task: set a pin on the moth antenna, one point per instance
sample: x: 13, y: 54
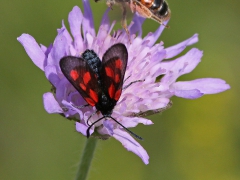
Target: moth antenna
x: 127, y: 78
x: 80, y: 107
x: 88, y: 133
x: 125, y: 87
x: 130, y: 132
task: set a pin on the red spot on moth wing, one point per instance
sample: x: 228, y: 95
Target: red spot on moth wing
x: 90, y: 101
x: 86, y: 78
x: 93, y: 95
x: 117, y: 78
x: 83, y: 86
x: 111, y: 91
x: 74, y: 74
x: 118, y: 64
x: 118, y: 94
x: 109, y: 72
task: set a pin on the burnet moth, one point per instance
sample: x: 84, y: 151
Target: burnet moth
x: 100, y: 83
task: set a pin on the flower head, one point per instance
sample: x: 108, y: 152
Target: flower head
x: 146, y: 61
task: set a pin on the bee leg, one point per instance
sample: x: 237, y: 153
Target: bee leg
x: 132, y: 6
x: 110, y: 3
x: 124, y: 19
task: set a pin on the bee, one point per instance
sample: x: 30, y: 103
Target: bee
x: 158, y: 10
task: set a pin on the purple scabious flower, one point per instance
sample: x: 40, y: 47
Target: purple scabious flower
x: 146, y: 61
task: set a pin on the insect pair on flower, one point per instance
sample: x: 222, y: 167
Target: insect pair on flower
x: 100, y: 83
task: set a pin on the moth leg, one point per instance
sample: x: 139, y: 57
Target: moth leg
x: 65, y: 109
x: 80, y: 107
x: 91, y: 117
x: 88, y: 130
x: 125, y: 87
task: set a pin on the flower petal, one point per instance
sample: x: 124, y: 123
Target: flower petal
x: 134, y: 121
x: 131, y: 144
x: 153, y: 37
x: 105, y: 20
x: 137, y: 25
x: 71, y: 110
x: 65, y: 33
x: 58, y: 50
x: 61, y: 89
x: 182, y: 65
x: 51, y: 74
x: 188, y: 94
x: 204, y: 85
x: 75, y: 19
x: 178, y: 48
x: 50, y: 104
x: 88, y: 25
x: 104, y: 28
x: 82, y: 128
x: 33, y: 50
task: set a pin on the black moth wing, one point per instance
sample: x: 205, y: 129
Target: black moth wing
x: 82, y: 77
x: 114, y: 64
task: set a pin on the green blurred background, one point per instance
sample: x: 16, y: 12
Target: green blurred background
x: 194, y: 140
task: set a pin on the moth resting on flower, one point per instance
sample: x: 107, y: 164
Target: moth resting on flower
x: 99, y: 82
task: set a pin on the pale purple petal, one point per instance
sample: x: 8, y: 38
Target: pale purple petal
x: 82, y: 128
x: 71, y: 110
x: 33, y: 50
x: 59, y: 49
x: 109, y: 126
x: 90, y: 40
x: 104, y: 28
x: 137, y: 24
x: 88, y: 19
x: 50, y: 104
x: 75, y: 19
x: 43, y: 48
x: 134, y: 121
x: 131, y: 144
x: 79, y: 45
x: 156, y: 103
x: 52, y: 75
x: 205, y: 85
x: 105, y: 23
x: 178, y: 48
x: 182, y: 65
x: 153, y: 37
x: 188, y: 94
x: 61, y: 89
x: 47, y: 51
x: 65, y: 33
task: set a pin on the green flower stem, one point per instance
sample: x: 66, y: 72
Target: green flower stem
x: 86, y: 159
